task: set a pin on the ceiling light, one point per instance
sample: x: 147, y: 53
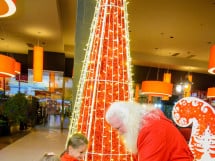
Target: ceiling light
x: 190, y: 56
x: 184, y: 87
x: 211, y: 92
x: 7, y: 66
x: 51, y: 81
x: 166, y: 78
x: 38, y: 64
x: 175, y: 54
x: 157, y: 88
x: 211, y: 63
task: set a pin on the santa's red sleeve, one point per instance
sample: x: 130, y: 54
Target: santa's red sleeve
x: 162, y: 141
x: 151, y: 144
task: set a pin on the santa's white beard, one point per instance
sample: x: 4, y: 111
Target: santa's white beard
x: 136, y: 122
x: 130, y: 138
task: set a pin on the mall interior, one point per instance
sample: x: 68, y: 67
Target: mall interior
x: 161, y: 49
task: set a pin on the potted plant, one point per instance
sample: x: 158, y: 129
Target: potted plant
x: 16, y: 110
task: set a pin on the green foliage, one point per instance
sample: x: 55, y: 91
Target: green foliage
x: 16, y: 108
x: 2, y: 121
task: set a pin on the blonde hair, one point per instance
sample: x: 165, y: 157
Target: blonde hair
x: 76, y: 140
x: 50, y: 157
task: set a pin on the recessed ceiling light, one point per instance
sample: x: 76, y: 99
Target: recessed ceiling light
x: 43, y: 43
x: 30, y: 45
x: 175, y: 54
x: 190, y: 56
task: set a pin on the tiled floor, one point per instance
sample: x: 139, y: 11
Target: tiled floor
x: 9, y: 139
x: 33, y: 145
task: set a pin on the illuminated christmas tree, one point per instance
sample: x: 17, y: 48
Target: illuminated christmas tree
x: 105, y: 78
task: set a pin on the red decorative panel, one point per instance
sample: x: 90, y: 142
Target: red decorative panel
x: 201, y: 115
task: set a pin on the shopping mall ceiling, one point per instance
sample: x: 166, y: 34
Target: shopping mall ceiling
x: 172, y: 34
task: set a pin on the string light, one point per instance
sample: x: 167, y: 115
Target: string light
x: 105, y: 78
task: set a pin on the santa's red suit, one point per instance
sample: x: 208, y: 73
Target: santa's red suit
x: 160, y: 140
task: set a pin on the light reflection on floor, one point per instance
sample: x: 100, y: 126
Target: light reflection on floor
x: 55, y: 121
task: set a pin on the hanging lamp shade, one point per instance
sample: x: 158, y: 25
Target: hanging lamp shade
x: 211, y: 92
x: 8, y: 7
x: 187, y: 86
x: 17, y: 67
x: 7, y: 66
x: 137, y: 92
x: 157, y: 88
x: 190, y: 77
x: 38, y: 64
x: 166, y: 78
x: 211, y: 63
x: 51, y: 81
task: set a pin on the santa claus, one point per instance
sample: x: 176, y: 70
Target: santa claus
x: 148, y: 133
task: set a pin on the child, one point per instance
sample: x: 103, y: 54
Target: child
x: 50, y: 157
x: 76, y: 148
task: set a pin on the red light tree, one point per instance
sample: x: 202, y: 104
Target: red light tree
x: 105, y: 78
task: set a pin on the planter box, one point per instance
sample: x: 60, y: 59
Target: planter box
x: 14, y: 129
x: 4, y: 129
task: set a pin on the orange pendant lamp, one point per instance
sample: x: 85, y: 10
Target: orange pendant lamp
x: 137, y: 92
x: 166, y: 78
x: 211, y: 92
x: 211, y: 64
x: 188, y: 85
x: 8, y: 8
x: 157, y: 88
x: 38, y: 64
x: 7, y: 66
x: 51, y: 81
